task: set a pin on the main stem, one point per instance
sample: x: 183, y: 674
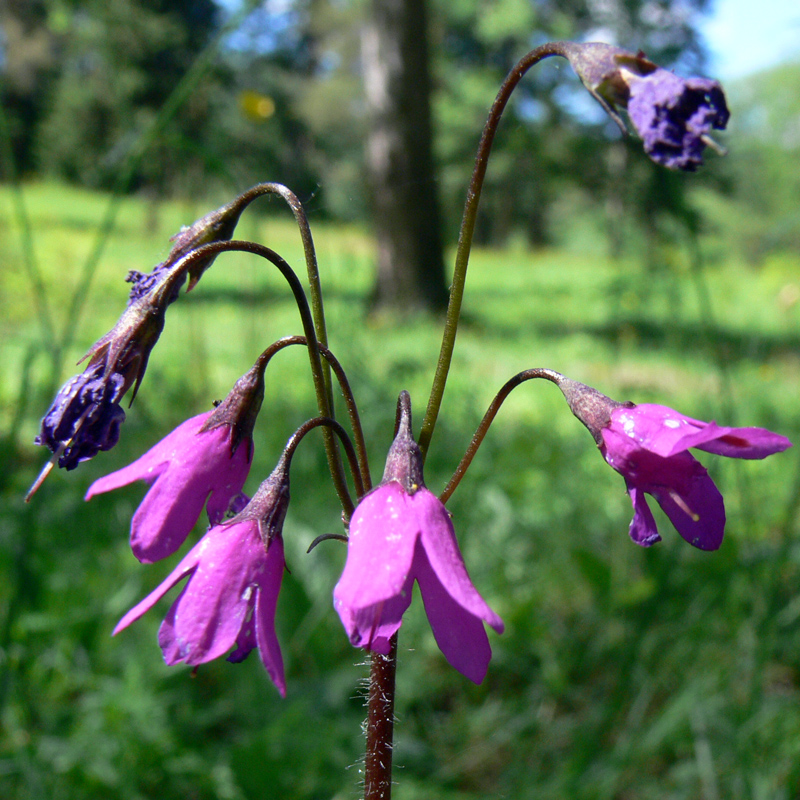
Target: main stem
x: 467, y: 231
x: 380, y: 725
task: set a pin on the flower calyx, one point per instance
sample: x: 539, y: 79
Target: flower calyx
x: 240, y: 408
x: 404, y: 461
x: 269, y: 504
x: 591, y: 407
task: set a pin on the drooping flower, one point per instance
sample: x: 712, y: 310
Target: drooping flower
x: 86, y: 415
x: 204, y: 461
x: 216, y: 226
x: 674, y: 116
x: 648, y: 445
x: 230, y: 599
x: 400, y: 532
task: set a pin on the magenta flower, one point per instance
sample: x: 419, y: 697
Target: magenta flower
x: 189, y: 466
x: 230, y: 599
x: 205, y: 460
x: 400, y: 532
x: 648, y: 444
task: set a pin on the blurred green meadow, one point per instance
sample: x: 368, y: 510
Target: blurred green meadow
x: 623, y: 673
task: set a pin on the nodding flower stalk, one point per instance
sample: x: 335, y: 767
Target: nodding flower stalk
x: 672, y: 115
x: 467, y: 232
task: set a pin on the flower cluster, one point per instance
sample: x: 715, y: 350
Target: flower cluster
x: 398, y: 533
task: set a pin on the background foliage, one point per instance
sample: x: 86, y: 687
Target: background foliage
x: 624, y: 673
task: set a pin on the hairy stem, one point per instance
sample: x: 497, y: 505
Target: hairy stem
x: 380, y: 725
x: 467, y: 231
x: 488, y: 418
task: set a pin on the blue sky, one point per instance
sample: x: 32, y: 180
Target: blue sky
x: 745, y: 36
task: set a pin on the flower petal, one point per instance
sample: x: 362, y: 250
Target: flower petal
x: 187, y: 564
x: 745, y: 443
x: 269, y: 583
x: 459, y: 633
x: 441, y: 548
x: 215, y: 604
x: 150, y: 465
x: 167, y: 514
x: 643, y: 528
x: 696, y: 508
x: 373, y: 626
x: 380, y: 549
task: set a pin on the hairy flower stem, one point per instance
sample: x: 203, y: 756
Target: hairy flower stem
x: 467, y: 231
x: 328, y: 424
x: 380, y: 725
x: 314, y: 285
x: 347, y: 393
x: 323, y: 401
x: 488, y: 418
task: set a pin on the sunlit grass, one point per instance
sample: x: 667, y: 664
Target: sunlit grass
x: 619, y: 665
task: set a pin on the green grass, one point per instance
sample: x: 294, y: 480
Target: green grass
x: 624, y: 673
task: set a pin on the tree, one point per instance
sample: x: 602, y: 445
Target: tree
x: 406, y: 215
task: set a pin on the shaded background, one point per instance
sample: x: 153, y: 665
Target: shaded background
x: 624, y: 673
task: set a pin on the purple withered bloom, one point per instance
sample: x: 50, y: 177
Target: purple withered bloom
x: 400, y: 532
x: 229, y: 601
x: 648, y: 445
x: 85, y: 416
x: 206, y: 458
x: 673, y: 115
x: 216, y: 226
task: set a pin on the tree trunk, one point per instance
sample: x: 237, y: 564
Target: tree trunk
x: 406, y: 213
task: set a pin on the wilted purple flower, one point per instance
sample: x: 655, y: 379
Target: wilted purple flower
x: 674, y: 116
x: 400, y: 532
x: 85, y: 416
x: 230, y: 599
x: 648, y: 445
x: 200, y: 460
x: 216, y: 226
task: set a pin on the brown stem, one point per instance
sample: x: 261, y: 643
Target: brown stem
x: 467, y: 230
x: 380, y: 725
x: 488, y: 417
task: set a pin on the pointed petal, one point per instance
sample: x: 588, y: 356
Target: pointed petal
x: 460, y: 634
x: 643, y: 528
x: 266, y: 604
x: 695, y: 508
x: 187, y: 564
x: 441, y: 548
x: 380, y: 549
x: 150, y: 465
x: 745, y: 443
x: 215, y: 604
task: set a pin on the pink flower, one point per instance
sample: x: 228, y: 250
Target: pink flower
x: 189, y: 466
x: 647, y: 444
x: 205, y: 460
x: 400, y: 532
x: 230, y: 599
